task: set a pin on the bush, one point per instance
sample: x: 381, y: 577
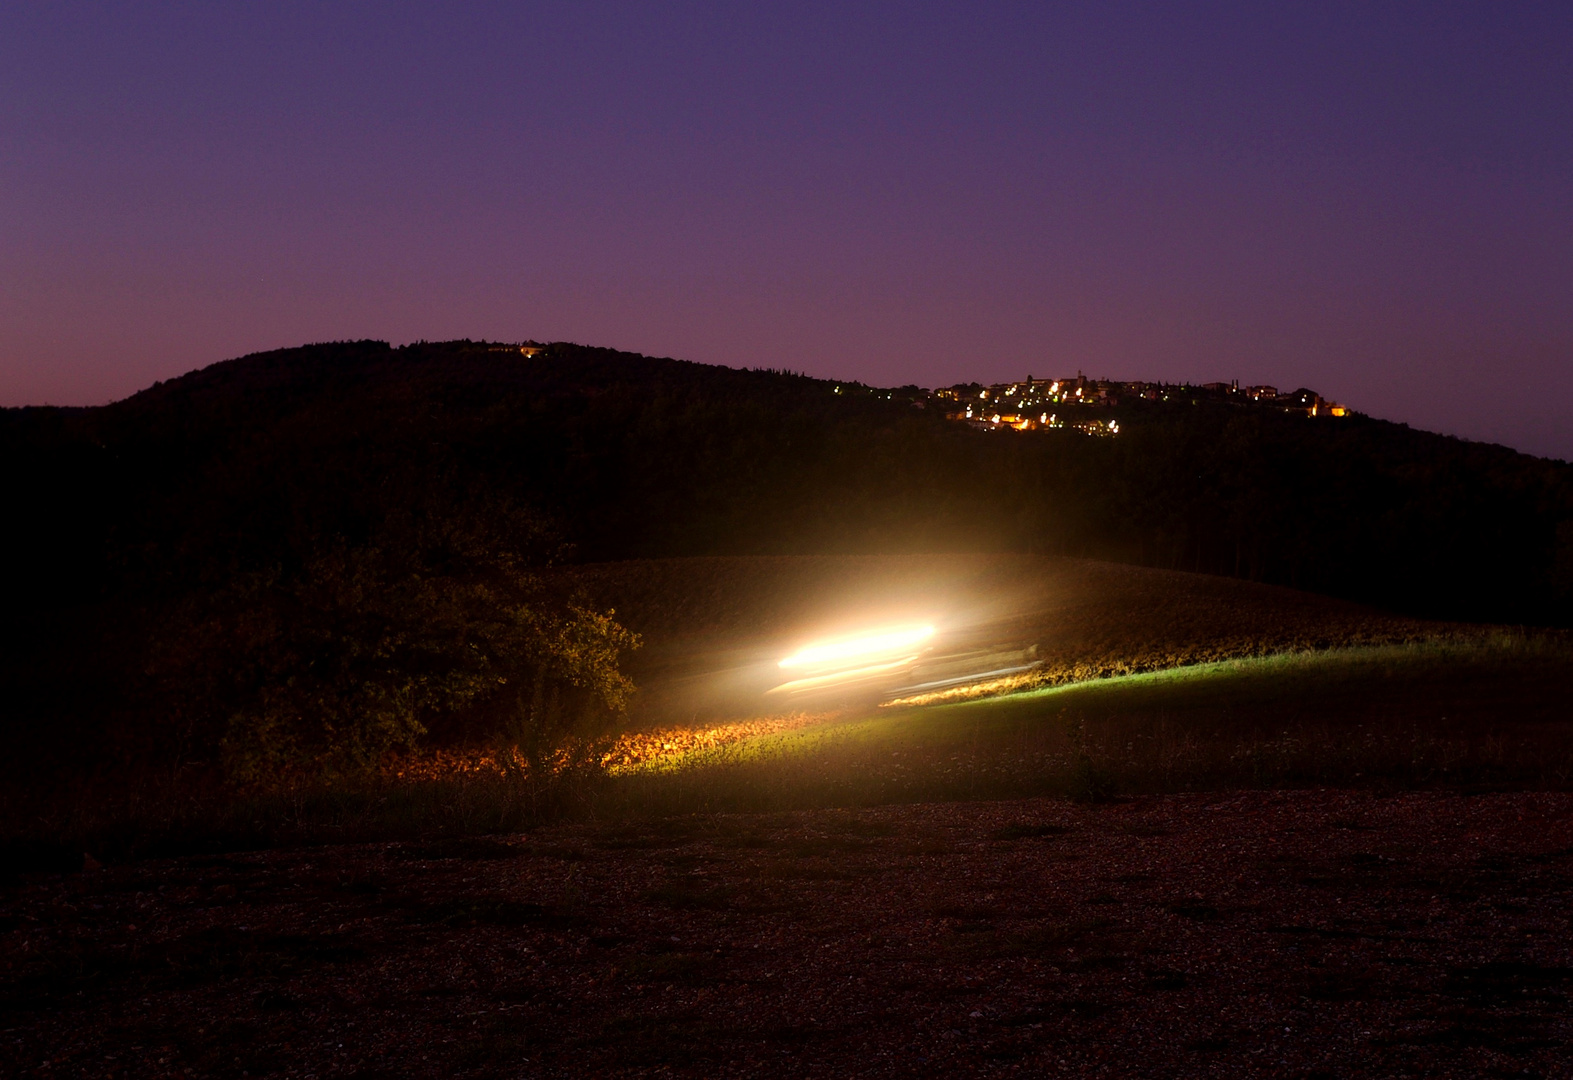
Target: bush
x: 350, y: 658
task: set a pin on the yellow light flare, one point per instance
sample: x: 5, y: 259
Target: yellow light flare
x: 866, y: 647
x: 842, y: 677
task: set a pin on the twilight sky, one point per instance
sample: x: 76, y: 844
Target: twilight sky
x: 1373, y: 200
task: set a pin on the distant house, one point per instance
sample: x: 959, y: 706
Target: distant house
x: 1302, y: 400
x: 986, y: 406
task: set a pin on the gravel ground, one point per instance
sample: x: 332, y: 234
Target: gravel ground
x: 1317, y: 933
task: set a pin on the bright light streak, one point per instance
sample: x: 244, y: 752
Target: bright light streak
x: 874, y: 646
x: 842, y: 677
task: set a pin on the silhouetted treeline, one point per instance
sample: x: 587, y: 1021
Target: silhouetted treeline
x: 125, y: 520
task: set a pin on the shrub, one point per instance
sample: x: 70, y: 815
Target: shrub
x: 351, y: 657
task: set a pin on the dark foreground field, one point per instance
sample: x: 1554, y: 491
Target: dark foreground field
x: 1288, y: 836
x: 1292, y: 933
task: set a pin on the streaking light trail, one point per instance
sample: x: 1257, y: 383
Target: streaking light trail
x: 871, y: 647
x: 864, y: 659
x: 843, y: 675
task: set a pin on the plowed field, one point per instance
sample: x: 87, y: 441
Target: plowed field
x: 1312, y: 933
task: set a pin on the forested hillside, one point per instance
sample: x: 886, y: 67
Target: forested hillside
x: 246, y: 464
x: 144, y: 537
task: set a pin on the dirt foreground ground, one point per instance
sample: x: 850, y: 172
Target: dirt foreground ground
x: 1320, y: 933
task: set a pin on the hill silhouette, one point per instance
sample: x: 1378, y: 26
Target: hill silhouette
x: 232, y: 467
x: 128, y: 520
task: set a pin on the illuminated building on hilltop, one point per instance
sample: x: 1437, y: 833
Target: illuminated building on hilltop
x: 1035, y: 404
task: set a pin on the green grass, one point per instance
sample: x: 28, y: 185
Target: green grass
x: 1490, y: 712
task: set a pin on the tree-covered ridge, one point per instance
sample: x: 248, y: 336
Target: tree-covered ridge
x: 311, y: 498
x: 242, y: 464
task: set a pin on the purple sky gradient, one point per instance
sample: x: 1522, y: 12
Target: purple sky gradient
x: 1375, y: 201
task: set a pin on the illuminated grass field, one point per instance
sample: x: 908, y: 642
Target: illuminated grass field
x: 1493, y: 711
x: 1150, y: 681
x: 702, y: 618
x: 1146, y: 681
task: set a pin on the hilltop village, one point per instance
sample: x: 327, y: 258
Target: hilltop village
x: 1076, y: 404
x: 1065, y: 403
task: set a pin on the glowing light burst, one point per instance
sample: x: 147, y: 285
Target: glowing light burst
x: 862, y: 658
x: 883, y: 644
